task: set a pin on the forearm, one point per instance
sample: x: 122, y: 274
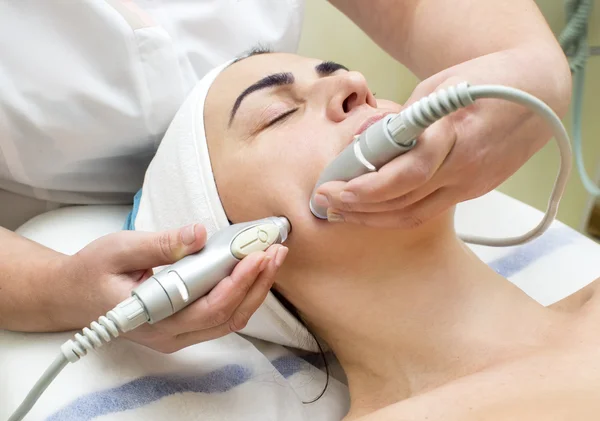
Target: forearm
x: 432, y: 37
x: 28, y: 272
x: 428, y: 36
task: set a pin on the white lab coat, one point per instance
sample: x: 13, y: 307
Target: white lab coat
x: 88, y: 87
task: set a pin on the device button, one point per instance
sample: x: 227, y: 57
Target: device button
x: 257, y: 238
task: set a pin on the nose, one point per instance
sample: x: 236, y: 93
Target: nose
x: 345, y: 92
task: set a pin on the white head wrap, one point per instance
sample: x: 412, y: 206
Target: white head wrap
x: 179, y: 189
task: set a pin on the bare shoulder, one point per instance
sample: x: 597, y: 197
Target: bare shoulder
x: 561, y: 384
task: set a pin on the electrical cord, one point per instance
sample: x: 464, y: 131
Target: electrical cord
x: 34, y: 394
x: 412, y: 121
x: 564, y: 169
x: 126, y: 316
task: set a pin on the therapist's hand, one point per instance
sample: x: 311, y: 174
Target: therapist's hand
x: 499, y: 42
x: 460, y: 157
x: 103, y: 274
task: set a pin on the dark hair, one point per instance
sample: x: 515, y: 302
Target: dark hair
x: 290, y: 307
x: 254, y: 51
x: 294, y: 312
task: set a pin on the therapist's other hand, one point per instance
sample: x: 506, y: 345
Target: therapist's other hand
x: 103, y: 274
x: 413, y: 187
x: 460, y: 157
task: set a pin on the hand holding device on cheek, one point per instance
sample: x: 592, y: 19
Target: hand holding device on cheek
x: 397, y: 134
x: 167, y: 292
x: 192, y: 277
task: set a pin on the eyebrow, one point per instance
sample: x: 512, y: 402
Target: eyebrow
x: 323, y: 69
x: 328, y: 67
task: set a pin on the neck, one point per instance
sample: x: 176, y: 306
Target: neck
x: 405, y: 319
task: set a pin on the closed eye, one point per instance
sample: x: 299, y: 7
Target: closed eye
x: 281, y: 117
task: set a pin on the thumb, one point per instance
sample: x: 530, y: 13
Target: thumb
x: 139, y: 250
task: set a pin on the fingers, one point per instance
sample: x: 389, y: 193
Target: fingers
x: 396, y: 203
x: 184, y: 340
x: 258, y: 293
x: 218, y: 307
x: 219, y: 304
x: 137, y: 250
x: 400, y: 183
x: 405, y: 173
x: 409, y: 217
x: 394, y: 185
x: 240, y: 317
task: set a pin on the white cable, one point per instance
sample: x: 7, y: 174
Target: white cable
x: 413, y: 120
x: 34, y: 394
x: 126, y: 316
x: 564, y: 146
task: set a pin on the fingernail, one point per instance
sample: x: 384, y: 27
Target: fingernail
x: 348, y: 197
x: 265, y: 261
x: 280, y: 256
x: 334, y: 216
x: 322, y: 200
x: 188, y: 234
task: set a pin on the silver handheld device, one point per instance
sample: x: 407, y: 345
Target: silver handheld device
x: 369, y: 151
x: 397, y: 133
x: 170, y: 290
x: 192, y: 277
x: 390, y: 137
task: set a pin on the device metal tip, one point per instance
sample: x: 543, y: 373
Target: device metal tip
x: 286, y: 223
x: 285, y: 227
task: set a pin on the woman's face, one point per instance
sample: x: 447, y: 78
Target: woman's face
x: 273, y: 122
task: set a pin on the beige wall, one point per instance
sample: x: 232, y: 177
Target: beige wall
x: 331, y: 36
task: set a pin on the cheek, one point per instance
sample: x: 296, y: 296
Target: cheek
x: 275, y: 173
x: 308, y: 149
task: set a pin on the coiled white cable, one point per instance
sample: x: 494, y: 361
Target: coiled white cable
x: 34, y: 394
x: 433, y: 107
x: 90, y: 338
x: 126, y: 316
x: 564, y: 168
x: 71, y: 351
x: 417, y: 117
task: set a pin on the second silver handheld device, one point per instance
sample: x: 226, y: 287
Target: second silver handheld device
x: 369, y: 151
x: 397, y: 134
x: 390, y: 137
x: 182, y: 283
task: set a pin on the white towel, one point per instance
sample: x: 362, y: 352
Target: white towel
x: 180, y: 177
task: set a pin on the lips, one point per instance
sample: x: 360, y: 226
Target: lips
x: 370, y: 121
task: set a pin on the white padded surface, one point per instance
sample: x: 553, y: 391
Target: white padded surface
x: 69, y: 229
x: 548, y: 269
